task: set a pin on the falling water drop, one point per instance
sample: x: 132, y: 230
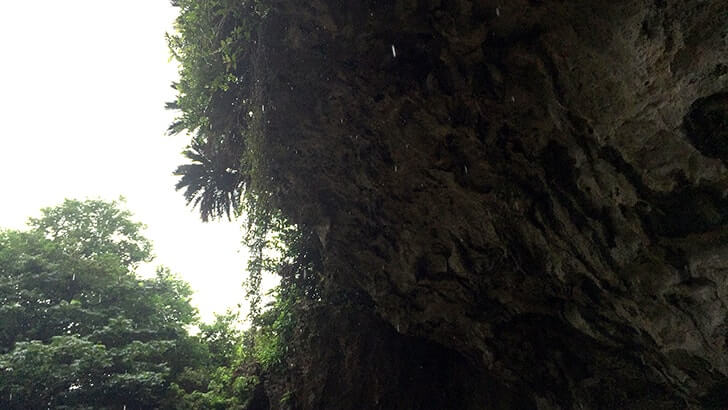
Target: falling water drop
x: 394, y: 52
x: 74, y: 276
x: 497, y: 11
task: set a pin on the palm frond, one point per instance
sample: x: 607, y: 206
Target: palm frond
x: 211, y: 181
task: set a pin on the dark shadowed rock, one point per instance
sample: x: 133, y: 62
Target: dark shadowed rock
x: 531, y: 192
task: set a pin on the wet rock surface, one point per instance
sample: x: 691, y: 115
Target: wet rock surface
x: 535, y: 187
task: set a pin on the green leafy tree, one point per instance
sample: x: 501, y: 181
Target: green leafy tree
x: 78, y: 328
x: 93, y: 228
x: 227, y: 386
x: 37, y: 375
x: 222, y: 337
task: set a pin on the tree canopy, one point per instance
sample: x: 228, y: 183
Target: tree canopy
x: 79, y: 328
x: 93, y: 228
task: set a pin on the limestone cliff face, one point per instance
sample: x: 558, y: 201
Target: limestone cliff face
x: 536, y: 187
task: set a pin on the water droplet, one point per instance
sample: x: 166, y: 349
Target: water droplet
x: 250, y: 114
x: 74, y: 276
x: 394, y: 52
x: 497, y: 11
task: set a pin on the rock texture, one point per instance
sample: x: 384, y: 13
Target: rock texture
x: 347, y: 358
x: 535, y: 189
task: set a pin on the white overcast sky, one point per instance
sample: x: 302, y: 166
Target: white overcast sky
x: 82, y: 90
